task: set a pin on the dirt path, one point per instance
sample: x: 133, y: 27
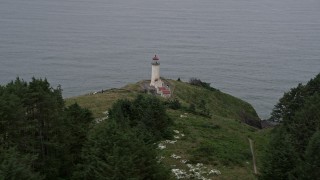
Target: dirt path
x: 253, y: 157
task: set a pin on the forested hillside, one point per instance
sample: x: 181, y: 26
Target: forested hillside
x: 294, y: 150
x: 198, y: 133
x: 210, y: 134
x: 40, y: 138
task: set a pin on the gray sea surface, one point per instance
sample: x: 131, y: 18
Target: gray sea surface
x: 253, y: 49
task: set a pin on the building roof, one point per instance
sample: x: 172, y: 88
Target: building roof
x: 166, y: 92
x: 155, y: 57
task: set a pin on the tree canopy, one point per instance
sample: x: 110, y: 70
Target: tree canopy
x: 41, y: 138
x: 294, y: 100
x: 37, y: 128
x: 293, y: 145
x: 123, y: 146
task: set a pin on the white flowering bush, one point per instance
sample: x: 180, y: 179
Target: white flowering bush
x: 214, y: 171
x: 161, y: 146
x: 184, y: 161
x: 197, y: 171
x: 180, y: 173
x: 169, y: 141
x: 175, y: 156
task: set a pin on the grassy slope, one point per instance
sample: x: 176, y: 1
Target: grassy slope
x: 220, y: 103
x: 219, y: 142
x: 101, y: 102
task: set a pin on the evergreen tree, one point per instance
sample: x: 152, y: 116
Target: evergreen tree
x: 304, y: 124
x: 123, y: 147
x: 151, y: 112
x: 122, y: 111
x: 290, y: 150
x: 73, y: 134
x: 44, y: 109
x: 119, y: 152
x: 146, y: 112
x: 311, y: 164
x: 293, y: 100
x: 16, y: 166
x: 40, y: 138
x: 12, y: 119
x: 280, y: 158
x: 34, y: 121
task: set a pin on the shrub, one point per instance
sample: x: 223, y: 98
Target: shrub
x: 192, y: 108
x: 173, y: 104
x: 198, y: 82
x: 145, y: 111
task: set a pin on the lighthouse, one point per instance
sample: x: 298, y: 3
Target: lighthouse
x: 160, y: 87
x: 155, y: 73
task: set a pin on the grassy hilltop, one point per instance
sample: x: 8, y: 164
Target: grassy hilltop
x: 217, y: 138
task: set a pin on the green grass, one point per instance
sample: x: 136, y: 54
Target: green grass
x: 101, y: 102
x: 219, y: 103
x: 219, y: 141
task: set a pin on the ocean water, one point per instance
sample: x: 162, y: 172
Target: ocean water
x: 253, y: 49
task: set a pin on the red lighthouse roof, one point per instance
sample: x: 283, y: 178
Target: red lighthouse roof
x: 155, y: 58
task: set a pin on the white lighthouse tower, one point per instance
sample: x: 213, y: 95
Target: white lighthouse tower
x: 160, y: 87
x: 155, y: 73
